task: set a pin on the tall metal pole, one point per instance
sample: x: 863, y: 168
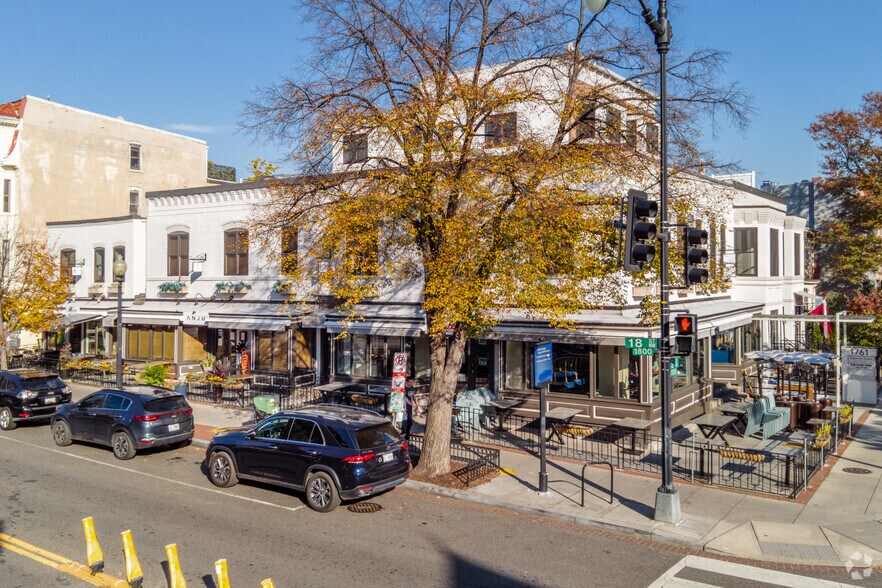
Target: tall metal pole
x: 667, y: 500
x: 119, y: 331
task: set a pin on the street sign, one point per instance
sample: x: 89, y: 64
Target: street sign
x: 641, y: 343
x: 543, y: 372
x: 642, y: 351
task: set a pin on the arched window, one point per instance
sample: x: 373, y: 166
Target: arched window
x: 178, y: 253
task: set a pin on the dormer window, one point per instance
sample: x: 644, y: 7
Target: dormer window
x: 355, y: 148
x: 613, y: 125
x: 501, y: 129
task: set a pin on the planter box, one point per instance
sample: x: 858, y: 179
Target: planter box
x: 183, y: 291
x: 229, y: 292
x: 96, y: 289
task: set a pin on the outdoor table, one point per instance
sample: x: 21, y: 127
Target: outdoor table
x: 737, y: 410
x: 633, y: 425
x: 713, y: 425
x: 560, y: 417
x: 503, y: 409
x: 333, y: 390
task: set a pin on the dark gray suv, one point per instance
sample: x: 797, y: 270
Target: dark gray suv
x: 27, y: 394
x: 126, y: 421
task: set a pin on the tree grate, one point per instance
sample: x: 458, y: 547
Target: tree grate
x: 364, y: 507
x: 856, y: 471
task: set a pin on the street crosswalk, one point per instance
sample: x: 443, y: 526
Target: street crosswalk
x: 722, y: 574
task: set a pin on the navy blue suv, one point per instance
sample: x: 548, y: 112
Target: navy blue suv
x: 331, y: 452
x: 27, y: 394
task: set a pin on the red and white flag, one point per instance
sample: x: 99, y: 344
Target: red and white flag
x: 821, y: 310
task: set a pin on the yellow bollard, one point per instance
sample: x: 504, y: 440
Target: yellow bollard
x: 220, y: 572
x: 268, y: 583
x: 176, y: 577
x: 133, y: 568
x: 94, y: 555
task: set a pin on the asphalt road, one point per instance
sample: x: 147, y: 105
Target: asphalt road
x: 164, y: 497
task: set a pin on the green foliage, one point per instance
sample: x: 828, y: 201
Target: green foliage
x: 172, y: 287
x: 154, y: 375
x: 231, y: 287
x: 221, y: 172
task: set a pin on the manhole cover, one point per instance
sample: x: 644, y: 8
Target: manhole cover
x: 364, y: 507
x: 856, y: 471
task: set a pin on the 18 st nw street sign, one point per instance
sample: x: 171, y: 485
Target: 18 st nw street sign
x: 641, y: 345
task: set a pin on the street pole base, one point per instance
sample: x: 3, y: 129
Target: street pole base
x: 667, y: 507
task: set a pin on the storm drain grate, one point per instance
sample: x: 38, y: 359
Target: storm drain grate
x: 364, y: 507
x: 798, y: 551
x: 856, y: 471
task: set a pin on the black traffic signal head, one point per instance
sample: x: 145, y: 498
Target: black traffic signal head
x: 686, y: 324
x: 640, y: 231
x: 694, y: 254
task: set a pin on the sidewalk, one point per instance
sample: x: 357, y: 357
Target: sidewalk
x: 833, y: 524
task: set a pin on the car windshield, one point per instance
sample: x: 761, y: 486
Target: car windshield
x: 377, y: 436
x: 165, y: 404
x: 43, y: 384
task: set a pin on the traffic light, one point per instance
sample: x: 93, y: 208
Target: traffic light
x: 639, y: 249
x: 694, y: 254
x: 686, y: 339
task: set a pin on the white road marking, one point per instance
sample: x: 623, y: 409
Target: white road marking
x: 155, y: 477
x: 741, y: 572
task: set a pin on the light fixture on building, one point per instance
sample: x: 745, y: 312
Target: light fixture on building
x: 196, y: 266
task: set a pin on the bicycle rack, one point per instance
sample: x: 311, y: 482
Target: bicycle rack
x: 611, y: 479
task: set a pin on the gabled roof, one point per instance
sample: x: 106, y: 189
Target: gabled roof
x: 14, y: 109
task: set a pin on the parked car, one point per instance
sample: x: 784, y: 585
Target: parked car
x: 125, y: 420
x: 331, y: 452
x: 29, y: 394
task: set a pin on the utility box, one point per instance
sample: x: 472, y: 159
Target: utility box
x: 859, y: 374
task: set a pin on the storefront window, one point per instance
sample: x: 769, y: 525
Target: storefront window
x: 151, y: 343
x: 272, y: 350
x: 514, y: 366
x: 698, y: 365
x: 94, y: 343
x: 303, y: 347
x: 383, y: 350
x: 751, y: 337
x: 570, y: 363
x: 723, y: 344
x: 422, y: 364
x: 193, y: 348
x: 681, y: 371
x: 618, y: 374
x: 351, y: 355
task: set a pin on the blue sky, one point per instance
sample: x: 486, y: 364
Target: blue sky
x: 188, y: 66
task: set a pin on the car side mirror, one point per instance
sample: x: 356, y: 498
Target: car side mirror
x: 250, y: 435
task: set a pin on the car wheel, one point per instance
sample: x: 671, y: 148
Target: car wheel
x: 221, y: 470
x: 61, y: 433
x: 321, y: 493
x: 123, y: 446
x: 6, y: 422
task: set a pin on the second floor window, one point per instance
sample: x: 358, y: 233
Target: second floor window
x: 178, y: 254
x: 745, y: 252
x: 99, y: 265
x: 501, y: 129
x: 631, y: 132
x: 652, y: 144
x: 236, y: 253
x: 797, y: 255
x: 134, y: 157
x: 613, y: 125
x: 7, y: 195
x: 289, y: 250
x: 774, y: 269
x: 134, y: 202
x: 355, y: 148
x: 68, y: 259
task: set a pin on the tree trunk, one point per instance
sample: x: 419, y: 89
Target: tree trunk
x: 3, y: 356
x: 446, y: 359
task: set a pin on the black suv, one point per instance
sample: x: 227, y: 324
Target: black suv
x: 331, y: 452
x: 27, y: 394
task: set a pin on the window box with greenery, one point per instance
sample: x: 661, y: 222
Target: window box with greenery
x: 281, y: 287
x: 173, y: 288
x: 232, y: 288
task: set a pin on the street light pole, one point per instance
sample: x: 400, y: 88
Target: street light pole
x: 119, y: 276
x: 667, y: 500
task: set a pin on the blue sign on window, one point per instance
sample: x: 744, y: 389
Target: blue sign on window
x: 543, y: 371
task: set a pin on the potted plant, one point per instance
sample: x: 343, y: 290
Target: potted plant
x: 96, y: 289
x: 173, y: 287
x: 822, y: 438
x: 232, y: 288
x: 154, y: 375
x: 845, y: 414
x: 280, y: 287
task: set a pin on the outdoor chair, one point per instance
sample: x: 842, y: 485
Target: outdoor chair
x: 769, y: 399
x: 762, y: 421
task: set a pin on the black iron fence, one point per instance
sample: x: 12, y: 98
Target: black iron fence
x: 476, y: 461
x: 784, y: 471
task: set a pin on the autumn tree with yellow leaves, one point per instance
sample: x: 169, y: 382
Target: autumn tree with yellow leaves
x: 32, y: 289
x: 441, y: 185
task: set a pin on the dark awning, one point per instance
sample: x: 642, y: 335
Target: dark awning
x: 76, y: 318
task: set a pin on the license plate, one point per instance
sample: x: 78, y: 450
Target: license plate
x: 387, y: 457
x: 174, y: 427
x: 51, y: 399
